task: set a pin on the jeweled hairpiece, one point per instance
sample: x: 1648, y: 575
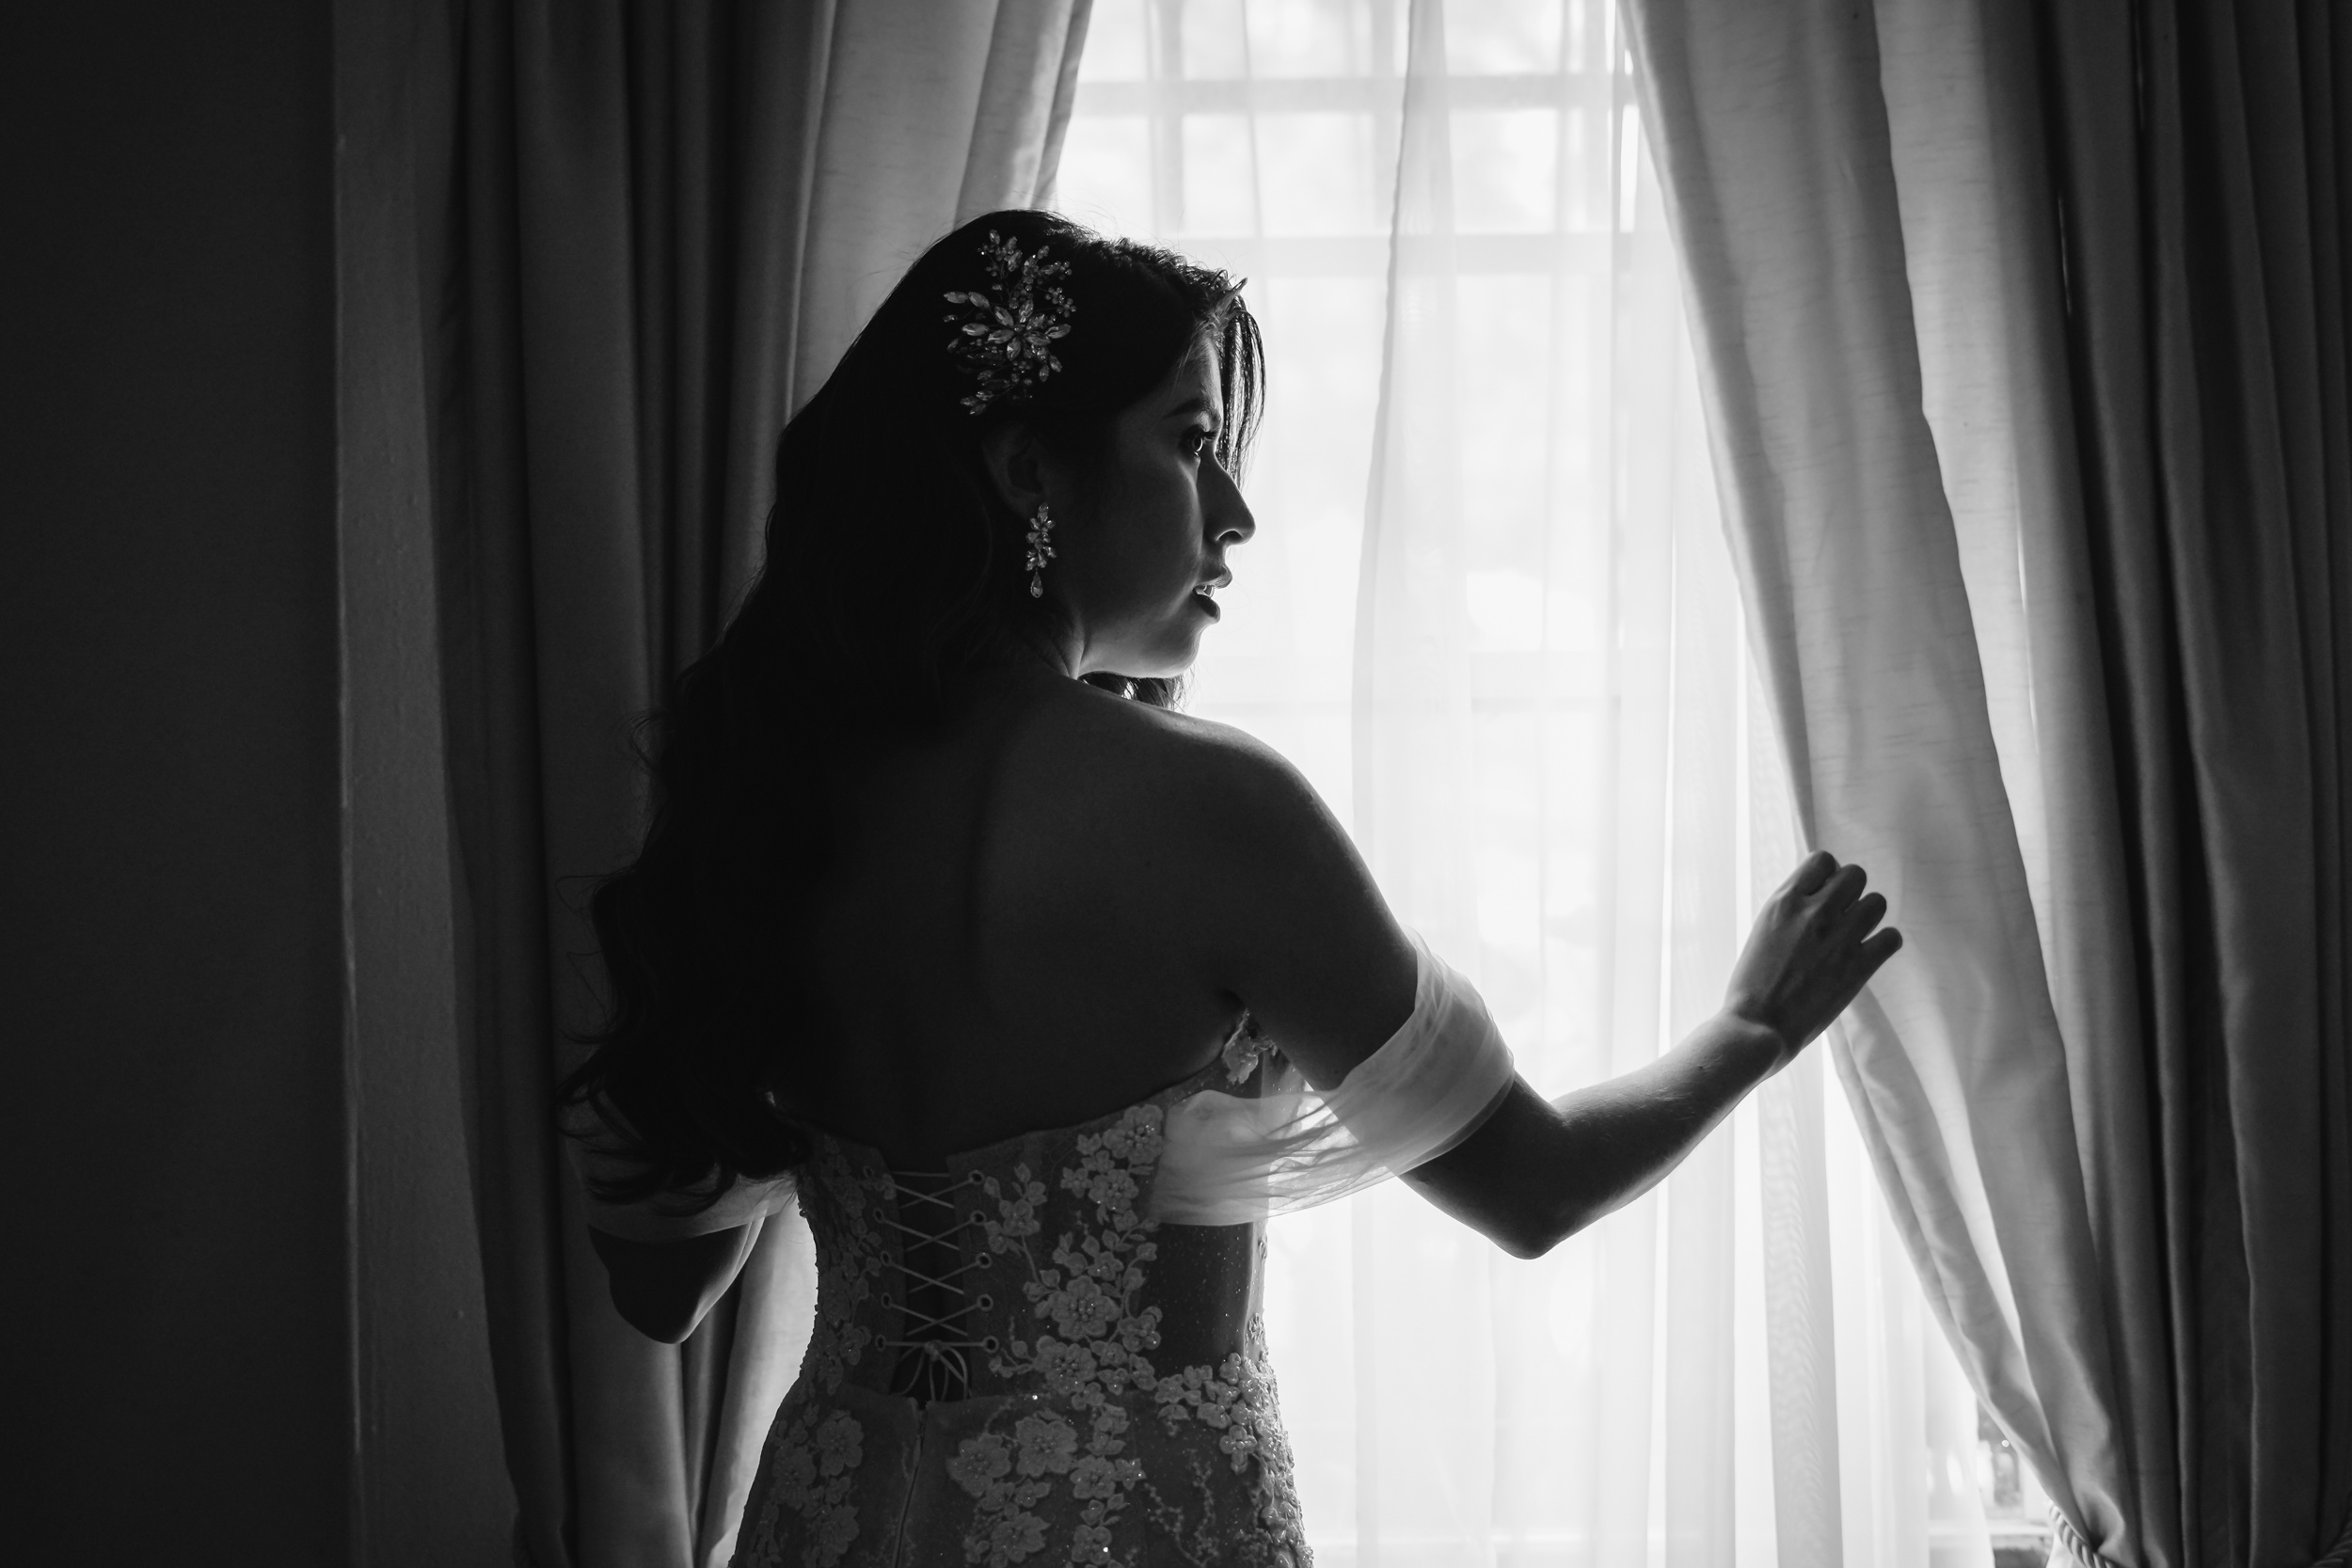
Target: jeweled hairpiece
x: 1009, y: 344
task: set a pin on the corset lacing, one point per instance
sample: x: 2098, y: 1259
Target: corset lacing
x: 934, y: 1304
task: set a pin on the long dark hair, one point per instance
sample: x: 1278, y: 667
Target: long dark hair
x: 892, y: 571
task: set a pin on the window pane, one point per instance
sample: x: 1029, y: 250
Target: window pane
x: 1501, y: 36
x: 1504, y: 169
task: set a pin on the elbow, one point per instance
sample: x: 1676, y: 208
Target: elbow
x: 658, y: 1317
x: 1529, y: 1245
x: 1526, y: 1248
x: 663, y: 1289
x: 1528, y: 1242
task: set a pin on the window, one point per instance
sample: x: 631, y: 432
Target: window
x: 1487, y: 357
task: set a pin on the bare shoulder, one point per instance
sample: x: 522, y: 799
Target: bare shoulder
x: 1076, y: 711
x: 1255, y: 879
x: 1169, y: 777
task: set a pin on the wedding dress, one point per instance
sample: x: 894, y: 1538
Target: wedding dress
x: 1115, y: 1402
x: 1050, y: 1351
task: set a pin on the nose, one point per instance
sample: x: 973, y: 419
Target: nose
x: 1229, y: 518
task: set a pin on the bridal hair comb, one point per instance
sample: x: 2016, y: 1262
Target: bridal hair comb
x: 1006, y: 336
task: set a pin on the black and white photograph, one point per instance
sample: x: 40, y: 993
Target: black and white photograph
x: 1178, y: 784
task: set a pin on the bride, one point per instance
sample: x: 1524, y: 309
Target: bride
x: 1038, y: 996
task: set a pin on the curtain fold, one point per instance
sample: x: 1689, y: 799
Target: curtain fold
x: 668, y: 221
x: 2025, y: 349
x: 2200, y: 156
x: 1773, y: 141
x: 1530, y: 700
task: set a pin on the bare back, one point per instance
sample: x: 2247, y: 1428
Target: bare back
x: 1003, y: 943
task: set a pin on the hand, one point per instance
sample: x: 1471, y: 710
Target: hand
x: 1815, y: 945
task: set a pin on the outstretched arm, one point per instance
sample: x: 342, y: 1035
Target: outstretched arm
x: 1312, y: 947
x: 1535, y: 1173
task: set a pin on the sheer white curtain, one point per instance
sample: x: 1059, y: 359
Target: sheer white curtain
x: 1490, y: 612
x: 1881, y: 304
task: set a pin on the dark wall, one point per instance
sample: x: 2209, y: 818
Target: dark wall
x: 169, y: 904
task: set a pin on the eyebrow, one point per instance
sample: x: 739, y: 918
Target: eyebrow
x: 1195, y: 405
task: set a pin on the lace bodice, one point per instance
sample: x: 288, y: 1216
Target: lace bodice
x: 1012, y: 1362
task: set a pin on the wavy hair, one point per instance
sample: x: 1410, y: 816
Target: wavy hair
x: 892, y: 570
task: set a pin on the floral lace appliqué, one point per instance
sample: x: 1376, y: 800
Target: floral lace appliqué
x: 815, y: 1452
x: 1091, y: 1354
x: 1243, y: 1049
x: 1088, y: 1443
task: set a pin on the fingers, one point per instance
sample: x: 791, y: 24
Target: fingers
x: 1848, y: 913
x: 1844, y: 886
x: 1836, y: 884
x: 1864, y: 914
x: 1811, y: 873
x: 1819, y: 873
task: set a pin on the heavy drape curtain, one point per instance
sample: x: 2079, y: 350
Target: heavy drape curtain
x: 669, y: 219
x: 2024, y: 344
x: 1490, y: 612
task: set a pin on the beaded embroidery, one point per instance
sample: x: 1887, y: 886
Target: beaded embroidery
x: 1243, y: 1049
x: 1008, y: 345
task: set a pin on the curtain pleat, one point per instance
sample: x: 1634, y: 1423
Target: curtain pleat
x: 1775, y: 147
x: 669, y: 220
x: 2202, y: 180
x: 503, y: 949
x: 2026, y: 350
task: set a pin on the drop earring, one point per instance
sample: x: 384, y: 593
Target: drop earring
x: 1041, y: 529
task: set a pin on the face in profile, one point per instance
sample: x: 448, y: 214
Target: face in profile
x: 1150, y: 527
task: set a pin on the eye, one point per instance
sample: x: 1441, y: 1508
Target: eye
x: 1197, y: 440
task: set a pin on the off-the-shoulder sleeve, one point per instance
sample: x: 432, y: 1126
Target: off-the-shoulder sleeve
x: 665, y: 1216
x: 1226, y: 1160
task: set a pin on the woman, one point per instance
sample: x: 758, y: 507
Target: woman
x: 1040, y: 995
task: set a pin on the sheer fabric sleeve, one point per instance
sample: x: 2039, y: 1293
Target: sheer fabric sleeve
x: 1227, y: 1161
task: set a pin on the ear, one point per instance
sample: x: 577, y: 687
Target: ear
x: 1016, y: 464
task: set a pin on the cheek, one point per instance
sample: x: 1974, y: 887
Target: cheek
x: 1176, y: 511
x: 1176, y: 550
x: 1151, y: 532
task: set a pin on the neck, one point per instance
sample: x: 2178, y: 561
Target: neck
x: 1031, y: 653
